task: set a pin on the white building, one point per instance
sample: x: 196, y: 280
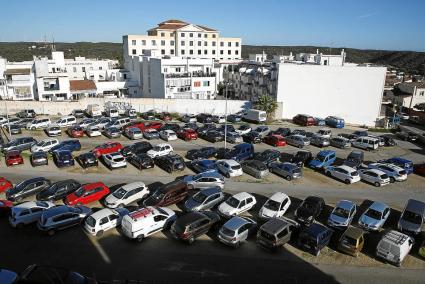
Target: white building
x: 409, y: 94
x: 17, y: 81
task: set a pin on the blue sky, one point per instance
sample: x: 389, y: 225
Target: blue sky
x: 374, y: 24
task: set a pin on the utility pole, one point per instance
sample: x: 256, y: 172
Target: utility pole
x: 225, y: 119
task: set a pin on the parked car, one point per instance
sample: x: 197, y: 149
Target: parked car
x: 78, y: 113
x: 276, y: 232
x: 187, y: 134
x: 107, y: 148
x: 255, y: 168
x: 39, y: 159
x: 149, y: 115
x: 191, y: 125
x: 27, y: 212
x: 14, y: 129
x: 394, y: 247
x: 344, y: 173
x: 20, y: 144
x: 229, y: 168
x: 275, y: 140
x: 141, y: 147
x: 355, y: 159
x: 309, y: 209
x: 388, y: 140
x: 267, y: 157
x: 252, y: 137
x: 126, y: 194
x: 405, y: 164
x: 412, y: 218
x: 275, y: 207
x: 85, y: 122
x: 323, y: 159
x: 374, y: 176
x: 240, y: 152
x: 204, y: 118
x: 170, y: 163
x: 87, y: 193
x: 340, y: 142
x: 375, y: 216
x: 282, y: 131
x: 71, y: 145
x: 297, y: 140
x: 133, y: 133
x: 150, y: 134
x: 244, y: 129
x: 193, y: 225
x: 393, y: 172
x: 219, y: 118
x: 314, y: 238
x: 213, y: 136
x: 26, y: 113
x: 75, y: 131
x: 200, y: 166
x: 66, y: 121
x: 159, y: 150
x: 205, y: 199
x: 27, y: 188
x: 320, y: 141
x: 234, y: 137
x: 13, y: 158
x: 304, y: 120
x: 234, y: 118
x: 53, y: 131
x: 366, y: 143
x: 114, y: 160
x: 112, y: 132
x: 407, y: 136
x: 350, y: 136
x: 301, y: 158
x: 352, y: 241
x: 204, y: 180
x: 87, y: 160
x: 205, y: 128
x: 63, y: 158
x: 168, y: 194
x: 289, y: 171
x: 141, y: 161
x: 237, y: 204
x: 45, y: 145
x: 93, y: 131
x: 188, y: 118
x: 319, y: 121
x: 5, y: 184
x: 342, y: 215
x: 58, y: 190
x: 147, y: 221
x: 5, y: 207
x: 236, y: 231
x: 169, y: 126
x: 62, y: 217
x: 103, y: 220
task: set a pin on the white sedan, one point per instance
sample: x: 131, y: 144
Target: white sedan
x: 276, y: 206
x: 133, y: 133
x: 114, y: 160
x: 159, y: 150
x: 344, y: 173
x: 44, y: 145
x: 93, y: 131
x: 168, y: 135
x: 237, y: 204
x: 374, y: 176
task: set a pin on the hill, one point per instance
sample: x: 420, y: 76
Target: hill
x: 407, y: 61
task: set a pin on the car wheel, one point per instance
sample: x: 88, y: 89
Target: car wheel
x: 237, y: 244
x: 347, y: 181
x: 227, y: 175
x: 191, y: 240
x: 377, y: 184
x: 288, y: 178
x: 51, y: 232
x: 328, y: 173
x: 392, y: 180
x: 99, y: 234
x: 140, y: 238
x: 317, y: 253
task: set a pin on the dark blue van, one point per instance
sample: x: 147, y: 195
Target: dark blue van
x: 240, y: 152
x: 405, y: 164
x: 334, y: 121
x: 314, y: 237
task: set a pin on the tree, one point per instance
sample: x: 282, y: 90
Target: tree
x: 420, y: 106
x: 267, y: 104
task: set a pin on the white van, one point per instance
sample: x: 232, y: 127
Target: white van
x: 93, y: 110
x: 38, y: 124
x: 120, y: 122
x: 66, y: 121
x: 366, y: 143
x: 394, y: 246
x: 255, y: 115
x: 112, y: 112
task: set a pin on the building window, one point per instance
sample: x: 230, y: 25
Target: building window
x: 133, y: 42
x: 171, y: 34
x: 162, y: 51
x: 178, y: 69
x: 172, y: 42
x: 229, y: 52
x: 182, y: 43
x: 182, y: 52
x: 199, y: 52
x: 205, y: 35
x: 134, y: 52
x: 199, y: 35
x: 83, y: 69
x: 191, y: 43
x: 153, y: 42
x: 162, y: 42
x: 191, y: 35
x: 237, y: 44
x: 74, y: 69
x: 197, y: 83
x: 229, y: 44
x: 182, y: 34
x: 191, y: 52
x: 221, y: 43
x: 162, y: 34
x: 206, y: 83
x: 213, y: 52
x: 213, y: 43
x: 213, y: 36
x: 421, y: 93
x: 205, y: 52
x: 199, y: 43
x: 172, y: 51
x: 143, y: 42
x: 205, y: 43
x: 100, y: 68
x: 221, y: 52
x: 237, y: 52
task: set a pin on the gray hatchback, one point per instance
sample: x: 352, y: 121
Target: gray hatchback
x: 204, y: 199
x: 237, y: 230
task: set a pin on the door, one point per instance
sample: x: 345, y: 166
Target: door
x: 243, y: 232
x: 159, y: 222
x: 104, y: 224
x: 283, y: 207
x: 28, y: 190
x: 242, y: 207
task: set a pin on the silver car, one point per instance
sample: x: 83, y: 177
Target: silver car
x: 255, y: 168
x: 297, y: 140
x: 234, y: 137
x: 236, y: 230
x: 28, y: 212
x: 204, y: 199
x: 204, y: 180
x: 342, y: 215
x: 340, y: 142
x: 112, y: 132
x: 319, y: 141
x: 287, y: 170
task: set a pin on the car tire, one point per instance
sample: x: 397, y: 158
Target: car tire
x: 328, y: 173
x: 227, y: 175
x: 191, y: 240
x: 377, y: 184
x: 288, y: 178
x: 140, y: 238
x: 51, y: 232
x: 99, y: 233
x: 347, y: 181
x: 392, y: 180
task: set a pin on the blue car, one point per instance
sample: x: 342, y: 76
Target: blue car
x: 405, y: 164
x: 334, y: 121
x: 71, y: 145
x: 323, y: 159
x: 240, y: 152
x: 201, y: 166
x: 319, y: 121
x: 63, y: 158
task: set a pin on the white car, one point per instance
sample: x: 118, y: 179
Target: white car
x: 237, y: 204
x: 52, y: 131
x: 28, y: 212
x: 126, y: 195
x: 146, y: 221
x: 374, y: 176
x: 102, y: 122
x: 395, y: 173
x: 159, y: 150
x: 219, y: 119
x: 325, y: 133
x: 344, y: 173
x: 167, y: 135
x: 86, y: 122
x: 189, y: 118
x: 263, y: 130
x: 103, y: 220
x: 114, y: 160
x: 38, y: 124
x: 93, y: 131
x: 44, y: 145
x: 229, y: 168
x: 276, y: 206
x: 244, y: 129
x: 133, y: 133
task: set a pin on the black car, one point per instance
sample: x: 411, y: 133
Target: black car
x: 234, y: 118
x: 302, y: 158
x: 39, y: 159
x: 149, y: 115
x: 58, y: 190
x: 141, y: 161
x: 309, y: 209
x: 205, y: 128
x: 194, y: 224
x: 191, y: 125
x: 14, y: 129
x: 27, y: 188
x: 282, y: 131
x: 268, y: 156
x: 252, y: 137
x: 170, y: 126
x: 227, y: 128
x: 204, y: 118
x: 355, y: 159
x: 203, y: 153
x: 63, y: 158
x: 221, y: 153
x: 170, y: 163
x: 314, y: 237
x: 350, y: 137
x: 407, y: 136
x: 213, y: 136
x: 388, y: 140
x: 87, y: 160
x: 136, y: 148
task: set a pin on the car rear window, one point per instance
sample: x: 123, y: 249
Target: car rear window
x: 228, y: 232
x: 267, y: 236
x: 237, y: 167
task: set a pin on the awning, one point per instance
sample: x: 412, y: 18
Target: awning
x: 23, y: 71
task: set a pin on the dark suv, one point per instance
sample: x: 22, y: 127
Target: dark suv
x: 301, y: 158
x: 194, y: 224
x: 268, y: 156
x: 170, y: 163
x: 309, y: 209
x: 20, y: 144
x: 27, y: 188
x: 141, y: 161
x: 136, y: 148
x: 204, y: 118
x: 276, y: 232
x: 167, y: 194
x: 58, y: 190
x: 87, y: 160
x: 314, y: 238
x: 203, y: 153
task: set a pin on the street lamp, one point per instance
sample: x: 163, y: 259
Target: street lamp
x: 225, y: 118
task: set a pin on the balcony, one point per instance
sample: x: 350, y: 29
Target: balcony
x: 189, y: 75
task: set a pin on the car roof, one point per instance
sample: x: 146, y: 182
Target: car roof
x: 353, y: 232
x: 57, y: 210
x: 210, y: 174
x: 378, y: 206
x: 274, y: 225
x: 89, y: 186
x: 27, y: 204
x: 211, y: 190
x: 316, y: 229
x: 162, y: 144
x: 326, y: 152
x: 347, y: 168
x: 416, y: 206
x: 376, y: 171
x: 345, y: 204
x: 278, y: 196
x: 235, y: 223
x: 102, y: 213
x: 399, y: 159
x: 189, y: 218
x: 242, y: 195
x: 133, y: 185
x: 231, y: 162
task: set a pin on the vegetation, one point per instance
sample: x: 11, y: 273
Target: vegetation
x: 267, y: 104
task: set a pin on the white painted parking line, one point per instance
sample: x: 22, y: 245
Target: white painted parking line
x: 99, y: 249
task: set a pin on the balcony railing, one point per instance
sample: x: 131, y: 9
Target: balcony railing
x: 188, y: 75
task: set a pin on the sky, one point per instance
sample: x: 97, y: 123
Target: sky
x: 365, y: 24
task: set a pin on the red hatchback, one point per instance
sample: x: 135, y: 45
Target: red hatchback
x: 5, y: 184
x: 5, y: 206
x: 275, y: 140
x: 87, y: 193
x: 187, y: 134
x: 75, y: 131
x: 14, y: 158
x: 107, y: 148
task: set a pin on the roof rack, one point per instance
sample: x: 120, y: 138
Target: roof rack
x: 141, y: 213
x: 396, y: 237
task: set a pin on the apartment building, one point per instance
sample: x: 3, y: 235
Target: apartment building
x: 178, y: 38
x: 17, y: 81
x: 409, y: 94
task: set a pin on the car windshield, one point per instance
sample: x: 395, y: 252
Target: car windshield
x: 237, y: 167
x: 267, y: 235
x: 158, y: 194
x: 90, y: 221
x: 227, y: 232
x: 232, y: 202
x: 320, y: 158
x: 200, y: 197
x: 119, y: 193
x: 156, y: 148
x: 41, y: 143
x: 341, y: 212
x: 272, y: 205
x: 349, y: 241
x: 373, y: 214
x: 119, y: 159
x: 412, y: 217
x: 79, y: 192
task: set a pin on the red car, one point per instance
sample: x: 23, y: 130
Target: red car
x: 154, y: 125
x: 165, y: 116
x: 107, y: 148
x: 87, y: 193
x: 5, y: 206
x: 304, y: 120
x: 14, y: 158
x: 187, y: 134
x: 275, y: 140
x: 5, y: 184
x: 75, y: 131
x: 418, y: 169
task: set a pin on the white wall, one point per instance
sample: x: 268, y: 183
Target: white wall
x: 353, y: 93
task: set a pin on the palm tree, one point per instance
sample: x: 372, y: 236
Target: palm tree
x: 267, y: 104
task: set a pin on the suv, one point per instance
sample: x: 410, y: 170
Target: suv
x: 27, y: 188
x: 58, y: 190
x: 323, y: 159
x: 301, y: 158
x: 204, y: 180
x: 394, y: 246
x: 413, y: 217
x: 314, y: 237
x: 126, y: 195
x: 170, y: 163
x: 236, y: 230
x: 63, y: 158
x: 87, y: 160
x: 141, y: 161
x: 276, y: 232
x: 26, y: 113
x: 27, y: 212
x: 167, y: 194
x: 20, y: 144
x: 194, y: 224
x: 255, y: 168
x: 204, y: 199
x: 146, y: 221
x: 203, y: 153
x: 304, y: 120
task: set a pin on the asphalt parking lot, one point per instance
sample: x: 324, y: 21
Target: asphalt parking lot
x: 162, y: 259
